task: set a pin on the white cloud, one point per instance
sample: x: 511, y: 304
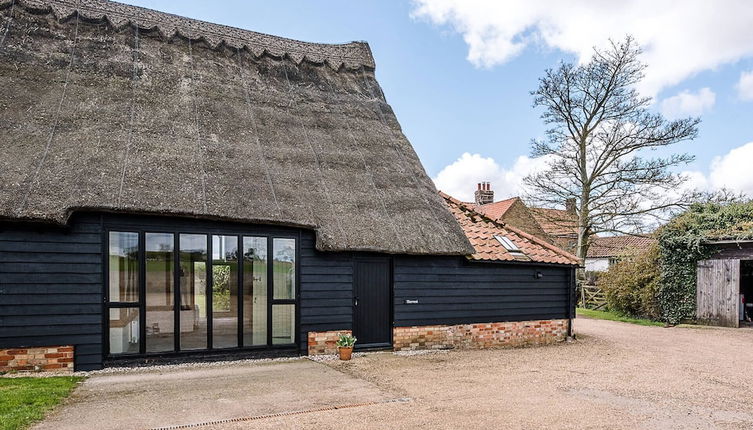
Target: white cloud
x: 688, y: 104
x: 732, y: 170
x: 680, y: 38
x: 459, y: 179
x: 745, y: 85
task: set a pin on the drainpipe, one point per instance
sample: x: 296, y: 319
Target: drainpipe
x: 571, y: 303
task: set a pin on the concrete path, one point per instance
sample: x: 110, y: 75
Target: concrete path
x: 144, y: 400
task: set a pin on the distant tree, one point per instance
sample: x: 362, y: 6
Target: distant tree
x: 600, y: 130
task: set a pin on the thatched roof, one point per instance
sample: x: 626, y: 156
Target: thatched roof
x: 112, y: 107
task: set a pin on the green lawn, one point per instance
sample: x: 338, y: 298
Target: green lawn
x: 613, y: 316
x: 24, y: 401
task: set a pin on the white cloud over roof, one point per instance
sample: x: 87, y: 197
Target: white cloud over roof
x: 680, y: 38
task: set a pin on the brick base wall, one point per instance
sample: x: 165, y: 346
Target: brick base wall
x: 323, y: 342
x: 51, y: 358
x: 488, y: 335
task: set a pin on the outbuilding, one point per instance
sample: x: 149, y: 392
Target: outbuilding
x: 171, y: 187
x: 724, y: 294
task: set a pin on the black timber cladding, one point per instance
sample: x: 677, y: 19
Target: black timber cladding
x: 51, y: 285
x: 326, y: 302
x: 51, y: 288
x: 451, y: 290
x: 51, y: 282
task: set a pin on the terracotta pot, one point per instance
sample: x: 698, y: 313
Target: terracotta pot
x: 345, y: 352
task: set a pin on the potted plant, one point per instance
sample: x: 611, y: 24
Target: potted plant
x: 345, y: 346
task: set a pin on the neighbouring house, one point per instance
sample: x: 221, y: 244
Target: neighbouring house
x: 561, y: 225
x: 510, y: 211
x: 557, y: 226
x: 172, y: 187
x: 603, y: 252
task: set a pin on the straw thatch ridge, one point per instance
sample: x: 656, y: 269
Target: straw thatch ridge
x: 95, y: 116
x: 118, y: 15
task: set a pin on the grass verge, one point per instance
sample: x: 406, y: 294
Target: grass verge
x: 614, y: 316
x: 24, y: 401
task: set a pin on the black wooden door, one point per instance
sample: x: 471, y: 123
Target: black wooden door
x: 372, y: 301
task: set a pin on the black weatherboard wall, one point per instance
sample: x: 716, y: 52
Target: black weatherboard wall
x: 51, y: 285
x: 452, y: 290
x: 326, y: 290
x: 51, y: 281
x: 51, y: 288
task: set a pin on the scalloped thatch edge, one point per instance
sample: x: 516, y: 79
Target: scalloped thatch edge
x: 353, y: 55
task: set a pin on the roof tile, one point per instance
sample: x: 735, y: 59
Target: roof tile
x: 480, y: 230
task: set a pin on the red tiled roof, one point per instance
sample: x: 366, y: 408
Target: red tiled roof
x: 615, y: 246
x: 495, y: 210
x: 556, y: 222
x: 481, y: 230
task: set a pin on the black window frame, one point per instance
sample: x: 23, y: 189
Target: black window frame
x: 141, y: 229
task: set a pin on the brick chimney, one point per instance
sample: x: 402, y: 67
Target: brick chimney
x: 484, y: 193
x: 570, y: 205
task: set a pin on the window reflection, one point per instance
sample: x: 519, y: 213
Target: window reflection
x: 160, y: 315
x: 224, y: 291
x: 197, y: 304
x: 193, y: 291
x: 254, y: 290
x: 123, y: 267
x: 283, y: 324
x: 284, y: 268
x: 124, y: 331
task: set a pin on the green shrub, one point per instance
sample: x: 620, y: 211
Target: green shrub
x: 683, y: 242
x: 630, y: 286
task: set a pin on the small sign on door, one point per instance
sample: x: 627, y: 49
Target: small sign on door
x: 411, y: 301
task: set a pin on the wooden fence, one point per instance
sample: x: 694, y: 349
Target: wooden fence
x: 591, y: 297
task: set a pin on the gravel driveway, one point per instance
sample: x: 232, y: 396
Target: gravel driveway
x: 616, y: 375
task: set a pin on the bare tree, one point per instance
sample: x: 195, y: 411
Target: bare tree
x: 600, y: 131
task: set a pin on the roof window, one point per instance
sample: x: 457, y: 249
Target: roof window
x: 509, y: 245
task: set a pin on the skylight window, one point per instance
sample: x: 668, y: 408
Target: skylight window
x: 508, y: 244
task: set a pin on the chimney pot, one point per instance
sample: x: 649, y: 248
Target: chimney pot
x: 484, y: 194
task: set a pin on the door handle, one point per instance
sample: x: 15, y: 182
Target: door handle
x: 355, y: 301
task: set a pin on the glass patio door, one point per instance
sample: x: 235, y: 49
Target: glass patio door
x: 194, y: 314
x: 224, y: 283
x: 170, y: 292
x: 160, y: 292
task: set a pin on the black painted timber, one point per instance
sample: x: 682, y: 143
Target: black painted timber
x: 452, y: 290
x: 51, y: 287
x: 51, y: 284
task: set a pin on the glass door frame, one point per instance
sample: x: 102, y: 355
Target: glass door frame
x: 142, y: 230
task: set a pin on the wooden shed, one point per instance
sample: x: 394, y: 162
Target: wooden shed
x: 725, y: 285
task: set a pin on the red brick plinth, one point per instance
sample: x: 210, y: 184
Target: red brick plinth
x: 50, y: 358
x: 489, y: 335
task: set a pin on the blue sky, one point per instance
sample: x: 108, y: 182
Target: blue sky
x: 450, y: 102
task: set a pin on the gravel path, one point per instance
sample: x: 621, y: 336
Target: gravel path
x: 616, y: 375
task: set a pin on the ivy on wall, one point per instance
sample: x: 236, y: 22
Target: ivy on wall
x: 684, y: 241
